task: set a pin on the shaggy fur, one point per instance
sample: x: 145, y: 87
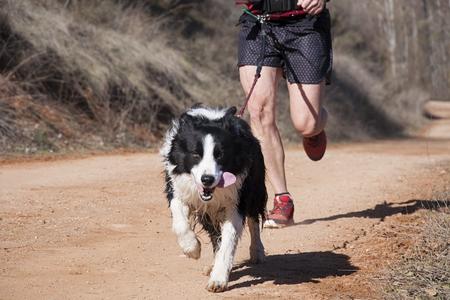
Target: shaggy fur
x: 215, y: 176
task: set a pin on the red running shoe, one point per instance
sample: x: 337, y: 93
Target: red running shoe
x: 315, y: 146
x: 282, y: 214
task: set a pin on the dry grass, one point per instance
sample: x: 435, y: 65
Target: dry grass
x: 102, y: 61
x: 69, y: 58
x: 7, y: 122
x: 424, y: 271
x: 113, y: 73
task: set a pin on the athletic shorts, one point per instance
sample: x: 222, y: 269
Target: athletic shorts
x: 301, y: 47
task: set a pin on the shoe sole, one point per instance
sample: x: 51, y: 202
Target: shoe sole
x: 271, y: 224
x: 311, y: 155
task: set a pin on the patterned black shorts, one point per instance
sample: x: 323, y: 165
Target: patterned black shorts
x: 302, y: 47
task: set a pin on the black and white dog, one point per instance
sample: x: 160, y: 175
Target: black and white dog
x: 215, y: 176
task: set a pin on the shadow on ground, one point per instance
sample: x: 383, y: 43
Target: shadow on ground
x: 293, y: 269
x: 381, y: 211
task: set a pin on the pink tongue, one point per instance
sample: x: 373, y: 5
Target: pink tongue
x: 227, y: 180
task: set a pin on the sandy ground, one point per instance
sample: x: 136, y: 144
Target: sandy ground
x: 99, y: 227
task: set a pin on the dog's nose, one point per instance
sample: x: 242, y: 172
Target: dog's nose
x: 207, y: 180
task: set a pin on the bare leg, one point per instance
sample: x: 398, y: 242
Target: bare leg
x: 307, y: 113
x: 262, y: 120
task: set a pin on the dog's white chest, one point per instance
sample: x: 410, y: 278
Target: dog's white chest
x: 223, y: 199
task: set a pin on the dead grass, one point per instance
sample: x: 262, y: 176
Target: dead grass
x: 73, y: 58
x: 424, y: 270
x: 113, y: 74
x: 99, y: 61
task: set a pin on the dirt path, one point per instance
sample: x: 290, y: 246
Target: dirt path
x: 99, y: 228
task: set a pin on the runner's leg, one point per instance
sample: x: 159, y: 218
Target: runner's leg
x: 308, y: 116
x: 262, y: 109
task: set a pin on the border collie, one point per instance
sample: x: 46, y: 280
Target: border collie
x: 215, y: 174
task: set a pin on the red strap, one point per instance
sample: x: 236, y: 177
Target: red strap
x: 287, y: 14
x: 273, y: 16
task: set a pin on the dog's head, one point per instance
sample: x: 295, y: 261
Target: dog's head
x: 208, y: 146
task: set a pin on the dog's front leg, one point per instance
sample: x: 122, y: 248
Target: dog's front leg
x: 223, y: 262
x: 180, y: 225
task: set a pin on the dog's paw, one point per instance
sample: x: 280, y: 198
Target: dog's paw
x: 193, y: 252
x: 257, y: 256
x: 191, y: 246
x: 258, y: 259
x: 216, y: 286
x: 218, y: 280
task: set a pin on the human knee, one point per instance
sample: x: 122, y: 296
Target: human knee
x: 308, y: 126
x: 262, y: 118
x: 261, y: 112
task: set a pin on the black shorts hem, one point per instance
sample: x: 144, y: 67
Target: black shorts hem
x: 326, y: 78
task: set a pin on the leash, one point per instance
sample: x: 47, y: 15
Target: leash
x: 247, y: 99
x: 262, y: 20
x: 265, y: 33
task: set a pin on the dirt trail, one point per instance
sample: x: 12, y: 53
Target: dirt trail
x: 99, y: 228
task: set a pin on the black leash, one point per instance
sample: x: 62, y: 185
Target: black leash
x: 266, y: 32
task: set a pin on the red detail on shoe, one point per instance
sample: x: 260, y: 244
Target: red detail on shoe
x: 315, y: 146
x: 283, y: 210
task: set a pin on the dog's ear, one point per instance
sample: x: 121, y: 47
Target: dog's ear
x: 231, y: 111
x: 235, y: 125
x: 186, y: 120
x: 228, y: 119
